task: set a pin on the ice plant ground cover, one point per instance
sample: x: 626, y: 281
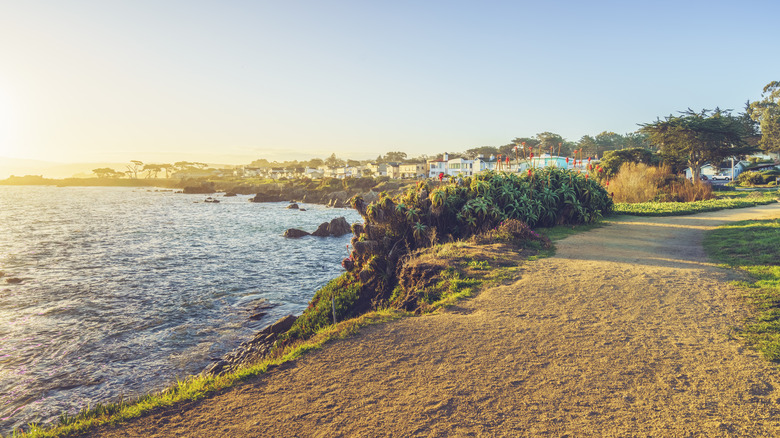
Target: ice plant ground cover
x: 753, y: 247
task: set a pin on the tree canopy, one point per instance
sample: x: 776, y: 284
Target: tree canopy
x: 612, y: 160
x: 698, y: 137
x: 767, y: 113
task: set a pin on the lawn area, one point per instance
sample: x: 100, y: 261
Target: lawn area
x: 754, y: 248
x: 724, y: 201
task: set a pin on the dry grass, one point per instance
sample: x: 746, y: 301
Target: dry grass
x: 638, y: 182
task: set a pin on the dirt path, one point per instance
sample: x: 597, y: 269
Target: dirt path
x: 625, y: 332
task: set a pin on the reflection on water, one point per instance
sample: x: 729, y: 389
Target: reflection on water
x: 125, y: 290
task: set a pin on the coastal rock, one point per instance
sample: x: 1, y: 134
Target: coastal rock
x: 322, y: 230
x: 13, y: 280
x: 293, y: 206
x: 205, y: 188
x: 339, y: 227
x: 295, y: 233
x: 253, y: 350
x: 229, y: 194
x: 281, y: 325
x: 266, y: 197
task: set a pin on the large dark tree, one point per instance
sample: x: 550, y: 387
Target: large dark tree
x: 699, y: 137
x: 612, y: 160
x: 767, y: 113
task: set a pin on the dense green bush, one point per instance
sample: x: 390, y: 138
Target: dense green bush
x: 433, y: 212
x: 751, y: 178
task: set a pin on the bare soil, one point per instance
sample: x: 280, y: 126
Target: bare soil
x: 624, y: 332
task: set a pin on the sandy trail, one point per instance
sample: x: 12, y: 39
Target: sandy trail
x: 624, y: 332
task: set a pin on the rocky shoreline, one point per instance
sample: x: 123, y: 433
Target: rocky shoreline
x: 336, y: 195
x: 253, y: 350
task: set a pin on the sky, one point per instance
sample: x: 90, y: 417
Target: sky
x: 233, y: 81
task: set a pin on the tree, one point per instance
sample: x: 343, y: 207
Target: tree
x: 612, y: 160
x: 588, y: 145
x: 608, y: 141
x: 152, y: 170
x: 698, y: 138
x: 767, y: 113
x: 315, y: 163
x: 549, y: 141
x: 485, y: 151
x: 394, y: 157
x: 133, y: 168
x: 107, y: 172
x: 636, y: 140
x: 332, y: 161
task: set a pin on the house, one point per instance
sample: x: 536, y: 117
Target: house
x: 459, y: 167
x: 411, y: 170
x: 377, y: 169
x: 393, y: 170
x: 482, y: 164
x: 436, y: 167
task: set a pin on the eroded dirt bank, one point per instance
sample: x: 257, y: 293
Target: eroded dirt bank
x: 625, y: 332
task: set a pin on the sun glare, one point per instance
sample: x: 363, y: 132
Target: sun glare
x: 7, y: 146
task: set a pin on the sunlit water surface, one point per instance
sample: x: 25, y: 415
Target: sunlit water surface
x: 126, y: 290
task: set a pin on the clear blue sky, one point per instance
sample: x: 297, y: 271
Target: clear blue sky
x: 231, y: 81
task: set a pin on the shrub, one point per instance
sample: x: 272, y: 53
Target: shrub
x: 342, y: 291
x: 750, y: 178
x: 642, y: 183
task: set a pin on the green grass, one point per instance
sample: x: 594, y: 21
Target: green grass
x: 727, y: 201
x: 753, y: 247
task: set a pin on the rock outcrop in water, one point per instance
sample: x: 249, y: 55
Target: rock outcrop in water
x: 337, y: 228
x: 294, y: 233
x: 251, y: 351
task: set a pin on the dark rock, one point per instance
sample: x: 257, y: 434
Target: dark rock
x: 348, y: 264
x: 229, y: 194
x: 301, y: 209
x: 266, y: 197
x: 258, y: 316
x: 339, y: 227
x: 13, y: 280
x: 205, y: 188
x: 280, y: 326
x: 216, y: 367
x: 293, y: 206
x: 295, y: 233
x: 322, y: 230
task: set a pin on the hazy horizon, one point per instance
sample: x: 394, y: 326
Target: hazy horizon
x: 87, y: 81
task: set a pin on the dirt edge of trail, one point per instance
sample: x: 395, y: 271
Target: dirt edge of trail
x: 625, y: 332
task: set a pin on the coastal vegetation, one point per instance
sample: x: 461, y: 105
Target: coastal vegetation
x: 753, y: 247
x: 490, y: 258
x: 383, y: 269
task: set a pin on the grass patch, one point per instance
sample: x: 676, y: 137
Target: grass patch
x: 753, y: 247
x: 728, y: 201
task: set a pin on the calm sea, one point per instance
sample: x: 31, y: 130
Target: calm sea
x: 125, y: 290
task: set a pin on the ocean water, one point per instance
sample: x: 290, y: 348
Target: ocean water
x: 125, y: 290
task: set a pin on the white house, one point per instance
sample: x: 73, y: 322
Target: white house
x: 435, y: 167
x: 459, y: 167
